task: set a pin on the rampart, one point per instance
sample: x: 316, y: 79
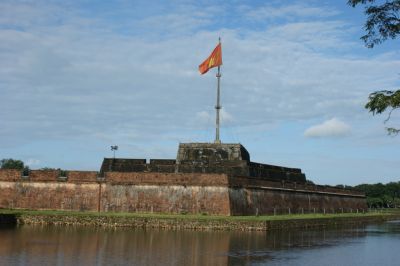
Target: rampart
x: 170, y: 192
x: 230, y: 159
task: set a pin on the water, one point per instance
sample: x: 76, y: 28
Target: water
x: 377, y: 244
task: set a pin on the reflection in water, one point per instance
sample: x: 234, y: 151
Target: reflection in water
x: 36, y: 245
x: 247, y: 250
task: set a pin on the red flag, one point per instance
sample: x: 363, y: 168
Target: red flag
x: 215, y: 59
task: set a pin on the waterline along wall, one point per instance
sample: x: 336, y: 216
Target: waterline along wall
x: 196, y: 193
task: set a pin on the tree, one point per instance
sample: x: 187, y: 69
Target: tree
x: 383, y: 22
x: 380, y: 101
x: 11, y: 164
x: 381, y: 195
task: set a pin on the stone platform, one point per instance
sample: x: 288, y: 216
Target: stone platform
x: 228, y: 158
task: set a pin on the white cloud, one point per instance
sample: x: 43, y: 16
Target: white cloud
x: 226, y: 117
x: 203, y: 118
x: 207, y: 118
x: 32, y: 162
x: 290, y: 12
x: 96, y: 76
x: 330, y: 128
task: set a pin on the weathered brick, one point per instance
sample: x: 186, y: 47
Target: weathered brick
x: 162, y: 161
x: 178, y: 193
x: 10, y: 174
x: 190, y: 179
x: 82, y: 176
x: 43, y: 175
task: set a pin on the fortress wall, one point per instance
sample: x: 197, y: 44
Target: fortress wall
x: 49, y: 175
x: 170, y: 193
x: 250, y: 201
x: 115, y: 197
x: 263, y: 166
x: 183, y: 179
x: 233, y: 169
x: 82, y: 176
x: 43, y: 175
x: 49, y: 195
x: 10, y: 174
x: 160, y: 168
x: 166, y: 193
x: 261, y: 182
x: 211, y: 200
x: 163, y: 162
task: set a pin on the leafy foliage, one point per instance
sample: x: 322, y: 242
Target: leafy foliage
x: 381, y: 195
x: 383, y: 22
x: 11, y: 164
x: 380, y: 101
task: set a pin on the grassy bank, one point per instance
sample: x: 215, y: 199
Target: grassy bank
x: 191, y: 216
x: 200, y: 222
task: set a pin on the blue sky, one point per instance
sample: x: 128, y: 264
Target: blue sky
x: 77, y: 77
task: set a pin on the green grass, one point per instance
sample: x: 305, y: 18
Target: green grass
x: 195, y: 217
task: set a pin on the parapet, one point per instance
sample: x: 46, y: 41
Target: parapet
x: 231, y: 159
x: 44, y: 175
x: 122, y: 165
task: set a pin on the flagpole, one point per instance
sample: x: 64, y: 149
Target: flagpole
x: 218, y: 106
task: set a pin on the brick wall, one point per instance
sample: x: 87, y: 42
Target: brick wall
x: 191, y: 179
x: 250, y: 201
x: 170, y: 193
x: 44, y: 175
x: 10, y: 175
x: 49, y: 195
x: 82, y: 176
x: 257, y: 182
x: 166, y: 199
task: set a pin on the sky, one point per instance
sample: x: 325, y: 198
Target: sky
x: 79, y: 76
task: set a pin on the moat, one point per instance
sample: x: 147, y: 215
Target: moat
x: 374, y: 244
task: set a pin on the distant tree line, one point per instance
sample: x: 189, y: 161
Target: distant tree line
x: 379, y: 195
